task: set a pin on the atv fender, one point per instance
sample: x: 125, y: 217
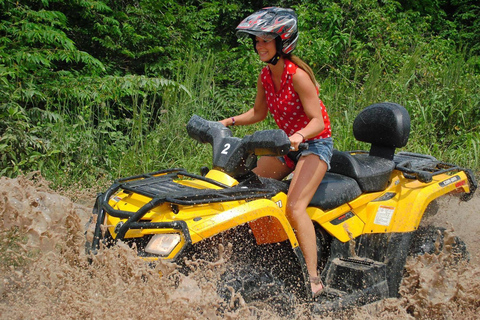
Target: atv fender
x: 267, y: 220
x: 256, y: 213
x: 409, y: 201
x: 340, y: 222
x: 440, y: 185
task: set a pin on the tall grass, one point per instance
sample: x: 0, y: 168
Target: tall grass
x: 443, y: 101
x: 103, y: 128
x: 167, y: 144
x: 99, y: 129
x: 148, y: 132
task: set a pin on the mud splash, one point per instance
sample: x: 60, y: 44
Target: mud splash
x: 45, y: 274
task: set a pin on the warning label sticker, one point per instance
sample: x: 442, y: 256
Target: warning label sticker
x: 384, y: 215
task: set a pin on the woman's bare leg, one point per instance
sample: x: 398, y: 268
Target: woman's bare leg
x: 272, y: 167
x: 307, y: 176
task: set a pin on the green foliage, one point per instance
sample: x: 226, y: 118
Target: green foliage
x: 349, y: 36
x: 97, y: 89
x: 442, y: 100
x: 467, y: 21
x: 455, y: 19
x: 35, y: 44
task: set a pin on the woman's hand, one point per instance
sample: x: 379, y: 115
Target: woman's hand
x: 295, y: 140
x: 226, y: 122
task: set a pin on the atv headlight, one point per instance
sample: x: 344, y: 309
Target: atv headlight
x: 163, y: 244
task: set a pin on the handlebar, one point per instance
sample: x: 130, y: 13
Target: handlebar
x: 233, y: 155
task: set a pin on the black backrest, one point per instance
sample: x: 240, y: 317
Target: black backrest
x: 385, y: 125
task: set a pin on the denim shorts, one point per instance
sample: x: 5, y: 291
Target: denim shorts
x: 321, y: 147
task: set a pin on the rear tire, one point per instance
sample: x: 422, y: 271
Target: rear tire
x: 432, y: 209
x: 427, y: 239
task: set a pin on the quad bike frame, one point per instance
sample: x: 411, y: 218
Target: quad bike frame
x: 366, y: 210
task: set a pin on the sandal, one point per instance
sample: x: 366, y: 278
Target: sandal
x: 317, y: 280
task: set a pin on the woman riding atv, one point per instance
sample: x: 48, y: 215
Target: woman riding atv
x: 287, y: 88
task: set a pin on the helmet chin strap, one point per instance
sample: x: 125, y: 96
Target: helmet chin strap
x: 275, y: 59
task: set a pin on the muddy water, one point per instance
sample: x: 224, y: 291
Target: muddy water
x: 45, y: 274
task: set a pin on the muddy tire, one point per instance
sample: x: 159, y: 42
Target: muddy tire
x: 258, y: 275
x: 432, y: 240
x: 432, y: 209
x: 324, y: 241
x: 255, y: 285
x: 276, y: 280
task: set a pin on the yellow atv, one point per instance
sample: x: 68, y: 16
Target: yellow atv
x: 366, y: 212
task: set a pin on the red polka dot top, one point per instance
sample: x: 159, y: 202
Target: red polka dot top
x: 285, y: 105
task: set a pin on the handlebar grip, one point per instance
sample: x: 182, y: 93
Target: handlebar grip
x: 303, y: 146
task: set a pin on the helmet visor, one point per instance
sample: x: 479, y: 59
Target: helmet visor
x: 265, y: 36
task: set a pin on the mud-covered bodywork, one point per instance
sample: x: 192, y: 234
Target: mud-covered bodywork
x: 366, y: 210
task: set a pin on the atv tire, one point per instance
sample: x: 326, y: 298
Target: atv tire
x: 324, y: 241
x: 432, y: 209
x: 254, y: 274
x: 251, y: 284
x: 431, y: 240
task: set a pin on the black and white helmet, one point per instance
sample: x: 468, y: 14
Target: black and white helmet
x: 272, y: 22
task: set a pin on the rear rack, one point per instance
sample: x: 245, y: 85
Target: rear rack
x: 421, y: 167
x: 424, y: 167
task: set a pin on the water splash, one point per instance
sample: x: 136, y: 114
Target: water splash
x: 45, y: 273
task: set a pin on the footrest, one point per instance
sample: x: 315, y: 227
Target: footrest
x: 352, y: 274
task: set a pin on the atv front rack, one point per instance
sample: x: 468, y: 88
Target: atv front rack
x: 162, y: 188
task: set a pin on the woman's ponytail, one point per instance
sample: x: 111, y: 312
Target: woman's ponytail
x: 305, y: 67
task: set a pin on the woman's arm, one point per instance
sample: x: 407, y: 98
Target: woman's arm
x: 255, y: 114
x: 307, y: 92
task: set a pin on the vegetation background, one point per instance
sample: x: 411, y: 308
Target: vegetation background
x: 91, y: 90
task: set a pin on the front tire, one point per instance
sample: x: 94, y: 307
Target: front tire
x: 324, y: 241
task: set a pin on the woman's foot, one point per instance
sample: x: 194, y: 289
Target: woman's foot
x: 317, y: 286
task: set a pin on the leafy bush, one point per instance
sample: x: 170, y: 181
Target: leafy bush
x: 96, y: 89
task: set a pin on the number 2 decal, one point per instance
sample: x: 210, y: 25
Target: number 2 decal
x: 225, y: 149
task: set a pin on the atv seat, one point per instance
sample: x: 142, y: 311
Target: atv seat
x: 372, y: 173
x: 334, y: 191
x: 386, y: 126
